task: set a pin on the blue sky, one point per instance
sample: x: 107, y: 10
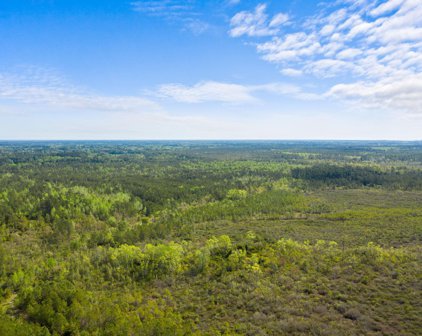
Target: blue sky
x: 224, y: 69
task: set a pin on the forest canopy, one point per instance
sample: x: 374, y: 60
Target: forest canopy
x: 210, y: 238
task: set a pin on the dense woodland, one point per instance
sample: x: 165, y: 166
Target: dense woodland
x: 211, y: 238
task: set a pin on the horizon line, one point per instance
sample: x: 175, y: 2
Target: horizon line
x: 215, y: 139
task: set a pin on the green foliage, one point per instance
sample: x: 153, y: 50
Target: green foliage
x: 219, y: 246
x: 327, y: 175
x: 18, y: 327
x: 210, y: 238
x: 236, y: 194
x: 147, y: 263
x: 75, y: 202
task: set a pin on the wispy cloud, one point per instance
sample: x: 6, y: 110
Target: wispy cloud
x: 184, y: 13
x: 291, y: 72
x: 372, y: 49
x: 257, y: 23
x: 44, y: 87
x: 211, y: 91
x: 233, y: 2
x: 165, y: 8
x: 208, y: 91
x: 285, y: 89
x: 196, y: 26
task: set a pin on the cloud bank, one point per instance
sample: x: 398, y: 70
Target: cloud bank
x: 371, y: 50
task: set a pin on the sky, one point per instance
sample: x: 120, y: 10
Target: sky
x: 222, y: 69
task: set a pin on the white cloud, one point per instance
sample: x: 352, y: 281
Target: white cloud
x: 182, y: 13
x: 165, y: 8
x: 210, y: 91
x: 327, y: 29
x: 349, y: 53
x: 328, y: 68
x: 399, y: 94
x: 386, y: 7
x: 256, y: 23
x: 233, y: 2
x: 289, y: 90
x: 279, y: 19
x: 42, y: 87
x: 291, y: 72
x: 292, y: 47
x: 369, y: 46
x: 207, y: 91
x: 195, y: 26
